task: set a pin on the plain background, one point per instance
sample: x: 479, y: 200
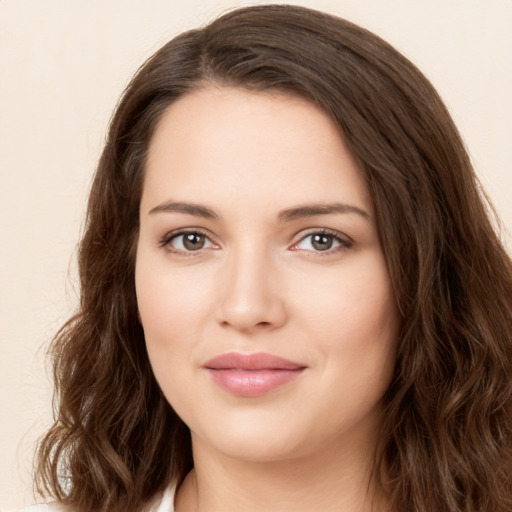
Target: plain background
x: 64, y: 64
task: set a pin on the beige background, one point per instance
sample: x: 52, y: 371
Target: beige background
x: 63, y: 66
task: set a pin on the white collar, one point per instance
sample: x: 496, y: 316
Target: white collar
x: 166, y: 503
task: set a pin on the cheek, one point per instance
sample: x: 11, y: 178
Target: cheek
x: 356, y: 304
x: 172, y: 308
x: 170, y: 301
x: 355, y: 323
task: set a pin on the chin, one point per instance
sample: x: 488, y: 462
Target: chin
x: 252, y: 436
x: 254, y: 448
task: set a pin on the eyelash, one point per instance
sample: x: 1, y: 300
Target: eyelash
x: 165, y: 242
x: 344, y: 241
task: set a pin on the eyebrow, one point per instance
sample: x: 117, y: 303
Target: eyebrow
x: 311, y: 210
x: 189, y: 208
x: 290, y: 214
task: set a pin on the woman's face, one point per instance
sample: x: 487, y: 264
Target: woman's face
x: 263, y: 292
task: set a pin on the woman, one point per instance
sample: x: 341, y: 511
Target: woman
x: 292, y: 297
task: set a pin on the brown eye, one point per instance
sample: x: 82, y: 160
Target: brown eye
x: 193, y: 241
x: 322, y: 242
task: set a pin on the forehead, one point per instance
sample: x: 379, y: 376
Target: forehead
x: 231, y: 145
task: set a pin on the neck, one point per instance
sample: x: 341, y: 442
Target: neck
x: 339, y: 479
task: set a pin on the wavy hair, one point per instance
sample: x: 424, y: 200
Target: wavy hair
x: 446, y: 437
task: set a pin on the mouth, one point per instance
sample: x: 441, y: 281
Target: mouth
x: 250, y: 375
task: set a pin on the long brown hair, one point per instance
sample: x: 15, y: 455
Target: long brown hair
x: 446, y: 440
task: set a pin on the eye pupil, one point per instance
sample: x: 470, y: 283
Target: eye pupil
x: 322, y: 242
x: 193, y: 241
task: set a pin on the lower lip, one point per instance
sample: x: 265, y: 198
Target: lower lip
x: 252, y: 382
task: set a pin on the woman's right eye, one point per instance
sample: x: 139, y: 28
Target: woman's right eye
x: 187, y: 242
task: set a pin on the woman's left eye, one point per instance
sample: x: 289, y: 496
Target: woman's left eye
x: 322, y: 242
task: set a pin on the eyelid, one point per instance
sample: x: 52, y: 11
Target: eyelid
x: 344, y: 240
x: 165, y: 240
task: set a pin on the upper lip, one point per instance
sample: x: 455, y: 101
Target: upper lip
x: 256, y: 361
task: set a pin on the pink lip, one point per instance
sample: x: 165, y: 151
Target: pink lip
x: 251, y: 374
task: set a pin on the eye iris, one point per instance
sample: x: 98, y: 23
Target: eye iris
x: 322, y: 242
x: 193, y: 241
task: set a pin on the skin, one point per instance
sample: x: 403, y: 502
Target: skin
x: 256, y: 282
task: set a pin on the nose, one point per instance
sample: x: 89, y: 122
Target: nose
x: 251, y: 299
